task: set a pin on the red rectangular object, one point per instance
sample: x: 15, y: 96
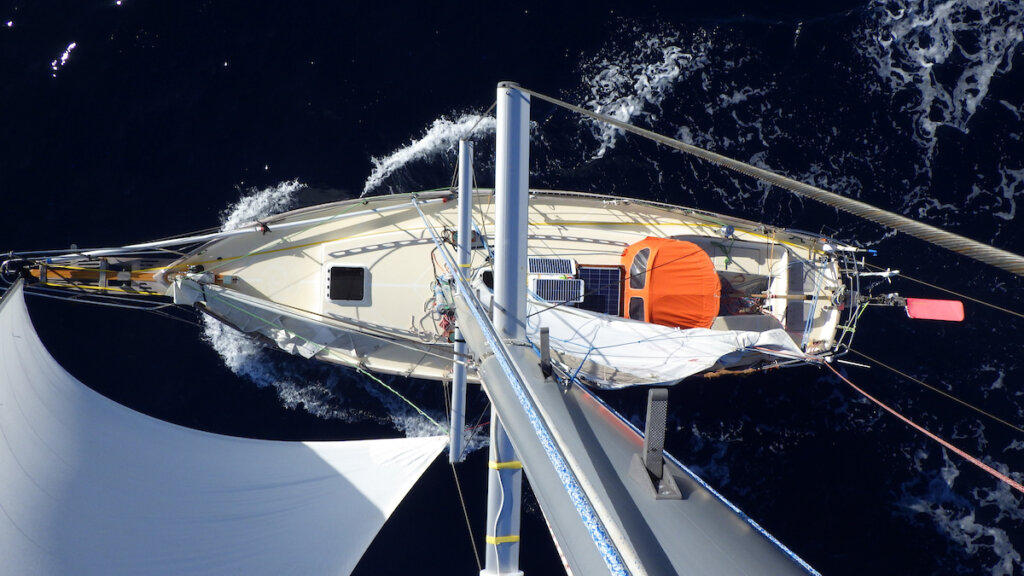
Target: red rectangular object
x: 921, y: 309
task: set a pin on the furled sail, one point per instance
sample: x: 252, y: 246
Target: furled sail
x: 612, y: 352
x: 88, y: 486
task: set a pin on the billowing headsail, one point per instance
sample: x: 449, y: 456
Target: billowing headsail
x: 88, y: 486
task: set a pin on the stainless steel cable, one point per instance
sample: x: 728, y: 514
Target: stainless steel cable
x: 999, y: 258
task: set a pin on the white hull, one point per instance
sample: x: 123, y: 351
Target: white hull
x: 393, y: 323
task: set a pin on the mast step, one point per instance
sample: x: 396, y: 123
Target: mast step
x: 664, y: 488
x: 649, y: 468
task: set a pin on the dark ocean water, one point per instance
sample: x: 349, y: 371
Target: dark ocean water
x: 123, y: 122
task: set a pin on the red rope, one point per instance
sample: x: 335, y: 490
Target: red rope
x: 997, y: 474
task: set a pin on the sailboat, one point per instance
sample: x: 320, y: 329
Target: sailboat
x: 541, y: 296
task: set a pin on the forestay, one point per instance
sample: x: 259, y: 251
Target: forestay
x: 88, y: 486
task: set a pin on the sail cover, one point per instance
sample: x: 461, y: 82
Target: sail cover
x: 88, y: 486
x: 610, y: 352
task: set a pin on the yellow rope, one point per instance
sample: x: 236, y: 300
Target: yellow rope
x: 108, y: 288
x: 284, y: 238
x: 942, y: 392
x: 65, y: 267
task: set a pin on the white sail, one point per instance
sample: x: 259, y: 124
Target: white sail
x: 88, y: 486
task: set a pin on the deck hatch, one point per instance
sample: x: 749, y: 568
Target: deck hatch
x: 346, y: 283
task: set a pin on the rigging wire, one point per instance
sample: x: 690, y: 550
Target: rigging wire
x: 99, y: 289
x: 458, y: 485
x: 465, y: 514
x: 475, y: 429
x: 953, y: 293
x: 1004, y: 478
x: 88, y: 297
x: 112, y: 302
x: 939, y: 391
x: 996, y: 257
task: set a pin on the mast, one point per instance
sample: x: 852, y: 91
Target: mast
x: 511, y: 190
x: 458, y: 413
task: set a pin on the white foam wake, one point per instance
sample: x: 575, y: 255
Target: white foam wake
x: 1011, y: 186
x: 306, y: 386
x: 942, y: 56
x: 441, y: 137
x: 313, y: 387
x: 248, y: 359
x: 257, y: 204
x: 632, y: 85
x: 970, y: 521
x: 245, y: 356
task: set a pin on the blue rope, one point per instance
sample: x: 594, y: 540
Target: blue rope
x: 582, y: 362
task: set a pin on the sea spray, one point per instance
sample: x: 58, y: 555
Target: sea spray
x: 247, y: 358
x: 256, y: 204
x: 1000, y: 200
x: 973, y: 521
x: 320, y: 389
x: 631, y: 85
x: 441, y: 137
x: 939, y: 58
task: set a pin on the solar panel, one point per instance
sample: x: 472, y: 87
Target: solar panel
x: 604, y: 289
x: 551, y: 266
x: 558, y: 289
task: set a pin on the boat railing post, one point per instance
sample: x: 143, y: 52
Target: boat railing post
x: 511, y: 191
x: 456, y: 446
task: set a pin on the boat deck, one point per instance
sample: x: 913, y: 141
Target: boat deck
x: 373, y: 262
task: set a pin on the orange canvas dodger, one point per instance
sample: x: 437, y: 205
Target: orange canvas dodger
x: 677, y: 283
